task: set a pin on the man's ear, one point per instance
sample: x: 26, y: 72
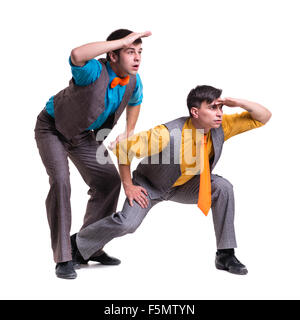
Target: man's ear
x: 194, y: 112
x: 113, y: 57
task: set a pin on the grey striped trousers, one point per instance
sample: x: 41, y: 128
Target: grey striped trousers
x: 103, y: 181
x: 96, y: 235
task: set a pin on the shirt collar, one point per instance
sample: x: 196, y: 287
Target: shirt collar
x: 111, y: 72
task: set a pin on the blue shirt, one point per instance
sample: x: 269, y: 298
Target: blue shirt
x: 89, y: 73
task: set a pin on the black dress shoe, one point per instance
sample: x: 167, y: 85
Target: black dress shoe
x: 226, y: 260
x: 105, y: 259
x: 65, y: 270
x: 78, y: 259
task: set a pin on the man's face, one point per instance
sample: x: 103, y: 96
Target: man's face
x: 209, y: 116
x: 129, y: 59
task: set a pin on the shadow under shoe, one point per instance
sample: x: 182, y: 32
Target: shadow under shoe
x: 78, y: 259
x: 227, y: 261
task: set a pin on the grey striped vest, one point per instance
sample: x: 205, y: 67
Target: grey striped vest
x: 77, y: 107
x: 158, y: 173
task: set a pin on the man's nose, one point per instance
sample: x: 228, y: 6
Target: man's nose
x: 219, y: 112
x: 137, y: 57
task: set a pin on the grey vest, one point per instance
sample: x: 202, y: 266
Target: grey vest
x: 159, y: 177
x: 77, y: 107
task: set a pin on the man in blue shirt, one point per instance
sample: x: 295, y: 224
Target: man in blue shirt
x: 97, y: 95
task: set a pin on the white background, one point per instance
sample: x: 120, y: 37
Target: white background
x: 250, y: 49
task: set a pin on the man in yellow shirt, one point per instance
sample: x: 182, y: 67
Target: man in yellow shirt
x: 173, y: 159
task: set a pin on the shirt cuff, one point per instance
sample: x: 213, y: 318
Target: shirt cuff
x: 134, y: 105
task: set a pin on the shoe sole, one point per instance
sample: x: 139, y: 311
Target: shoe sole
x: 232, y: 270
x: 77, y: 265
x: 107, y: 264
x: 68, y: 277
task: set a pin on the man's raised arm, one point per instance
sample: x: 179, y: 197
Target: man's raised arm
x: 257, y: 111
x: 86, y: 52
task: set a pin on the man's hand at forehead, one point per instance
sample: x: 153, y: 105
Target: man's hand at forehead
x: 128, y: 40
x: 229, y: 102
x: 257, y: 111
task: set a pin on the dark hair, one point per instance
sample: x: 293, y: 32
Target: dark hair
x: 201, y: 94
x: 119, y: 34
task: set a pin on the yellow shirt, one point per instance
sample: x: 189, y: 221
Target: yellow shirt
x: 153, y: 141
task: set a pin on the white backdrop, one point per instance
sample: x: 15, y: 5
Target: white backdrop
x: 250, y: 49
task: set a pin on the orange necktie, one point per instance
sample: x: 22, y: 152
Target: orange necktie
x: 204, y: 198
x: 120, y: 81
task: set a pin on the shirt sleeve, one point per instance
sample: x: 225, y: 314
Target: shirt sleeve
x: 86, y: 74
x: 137, y: 96
x: 143, y: 144
x: 237, y: 123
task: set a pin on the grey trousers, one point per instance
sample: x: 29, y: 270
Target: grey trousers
x: 96, y: 235
x: 103, y: 181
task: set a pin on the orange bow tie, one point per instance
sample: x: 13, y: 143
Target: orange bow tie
x: 120, y: 81
x: 204, y: 199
